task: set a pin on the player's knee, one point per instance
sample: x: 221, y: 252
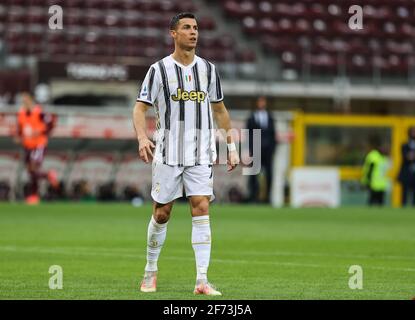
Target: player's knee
x: 162, y: 214
x: 201, y: 208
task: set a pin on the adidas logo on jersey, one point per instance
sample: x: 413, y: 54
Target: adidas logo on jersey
x: 184, y: 95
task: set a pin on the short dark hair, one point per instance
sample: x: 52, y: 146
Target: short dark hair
x: 175, y: 20
x: 28, y: 93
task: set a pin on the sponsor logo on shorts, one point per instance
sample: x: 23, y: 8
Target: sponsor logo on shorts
x: 157, y: 187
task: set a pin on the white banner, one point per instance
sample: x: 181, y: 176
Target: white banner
x: 315, y: 187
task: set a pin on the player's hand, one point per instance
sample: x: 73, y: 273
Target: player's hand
x: 233, y: 160
x: 144, y: 149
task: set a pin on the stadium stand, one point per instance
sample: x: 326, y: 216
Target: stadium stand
x: 94, y: 169
x: 284, y: 28
x: 132, y: 174
x: 59, y: 162
x: 316, y: 33
x: 106, y: 28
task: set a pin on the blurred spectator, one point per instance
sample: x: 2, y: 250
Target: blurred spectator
x: 262, y: 119
x: 4, y: 191
x: 56, y: 193
x: 133, y: 195
x: 235, y: 195
x: 33, y: 129
x: 375, y: 173
x: 106, y: 192
x: 81, y: 191
x: 131, y: 192
x: 407, y: 172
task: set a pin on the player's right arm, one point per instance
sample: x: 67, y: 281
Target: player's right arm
x: 49, y: 120
x: 144, y: 143
x: 147, y: 97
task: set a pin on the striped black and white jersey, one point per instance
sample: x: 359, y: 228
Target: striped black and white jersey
x: 182, y: 96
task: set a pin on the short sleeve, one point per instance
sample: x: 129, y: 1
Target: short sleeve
x: 150, y: 87
x: 215, y: 87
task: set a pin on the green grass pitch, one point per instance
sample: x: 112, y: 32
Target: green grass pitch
x: 257, y: 252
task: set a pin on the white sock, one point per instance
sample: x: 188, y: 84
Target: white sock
x: 201, y: 242
x: 156, y: 234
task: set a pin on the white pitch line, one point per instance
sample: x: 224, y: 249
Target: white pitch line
x: 257, y: 253
x: 315, y: 254
x: 73, y: 251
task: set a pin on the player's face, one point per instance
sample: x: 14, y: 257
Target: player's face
x: 261, y: 103
x: 27, y: 101
x: 186, y: 34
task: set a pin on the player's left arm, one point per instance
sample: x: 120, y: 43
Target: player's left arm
x: 223, y: 121
x: 49, y: 120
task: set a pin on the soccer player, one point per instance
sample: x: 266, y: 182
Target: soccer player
x: 186, y: 94
x: 33, y: 128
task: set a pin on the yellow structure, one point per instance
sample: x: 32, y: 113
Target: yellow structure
x: 398, y: 125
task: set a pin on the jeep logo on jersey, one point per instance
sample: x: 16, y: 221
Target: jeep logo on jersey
x: 184, y: 95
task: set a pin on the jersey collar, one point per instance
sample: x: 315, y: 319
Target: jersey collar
x: 183, y: 66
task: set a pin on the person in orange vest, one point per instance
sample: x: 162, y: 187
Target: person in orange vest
x: 33, y: 128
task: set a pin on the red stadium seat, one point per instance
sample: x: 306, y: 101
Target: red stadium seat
x: 232, y: 9
x: 114, y: 4
x: 36, y: 17
x: 93, y: 4
x: 94, y: 19
x: 186, y: 6
x: 38, y: 3
x: 16, y: 15
x: 74, y: 39
x: 246, y: 55
x: 79, y: 4
x: 206, y: 23
x: 73, y: 18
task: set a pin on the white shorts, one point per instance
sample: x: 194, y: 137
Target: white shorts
x: 168, y: 182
